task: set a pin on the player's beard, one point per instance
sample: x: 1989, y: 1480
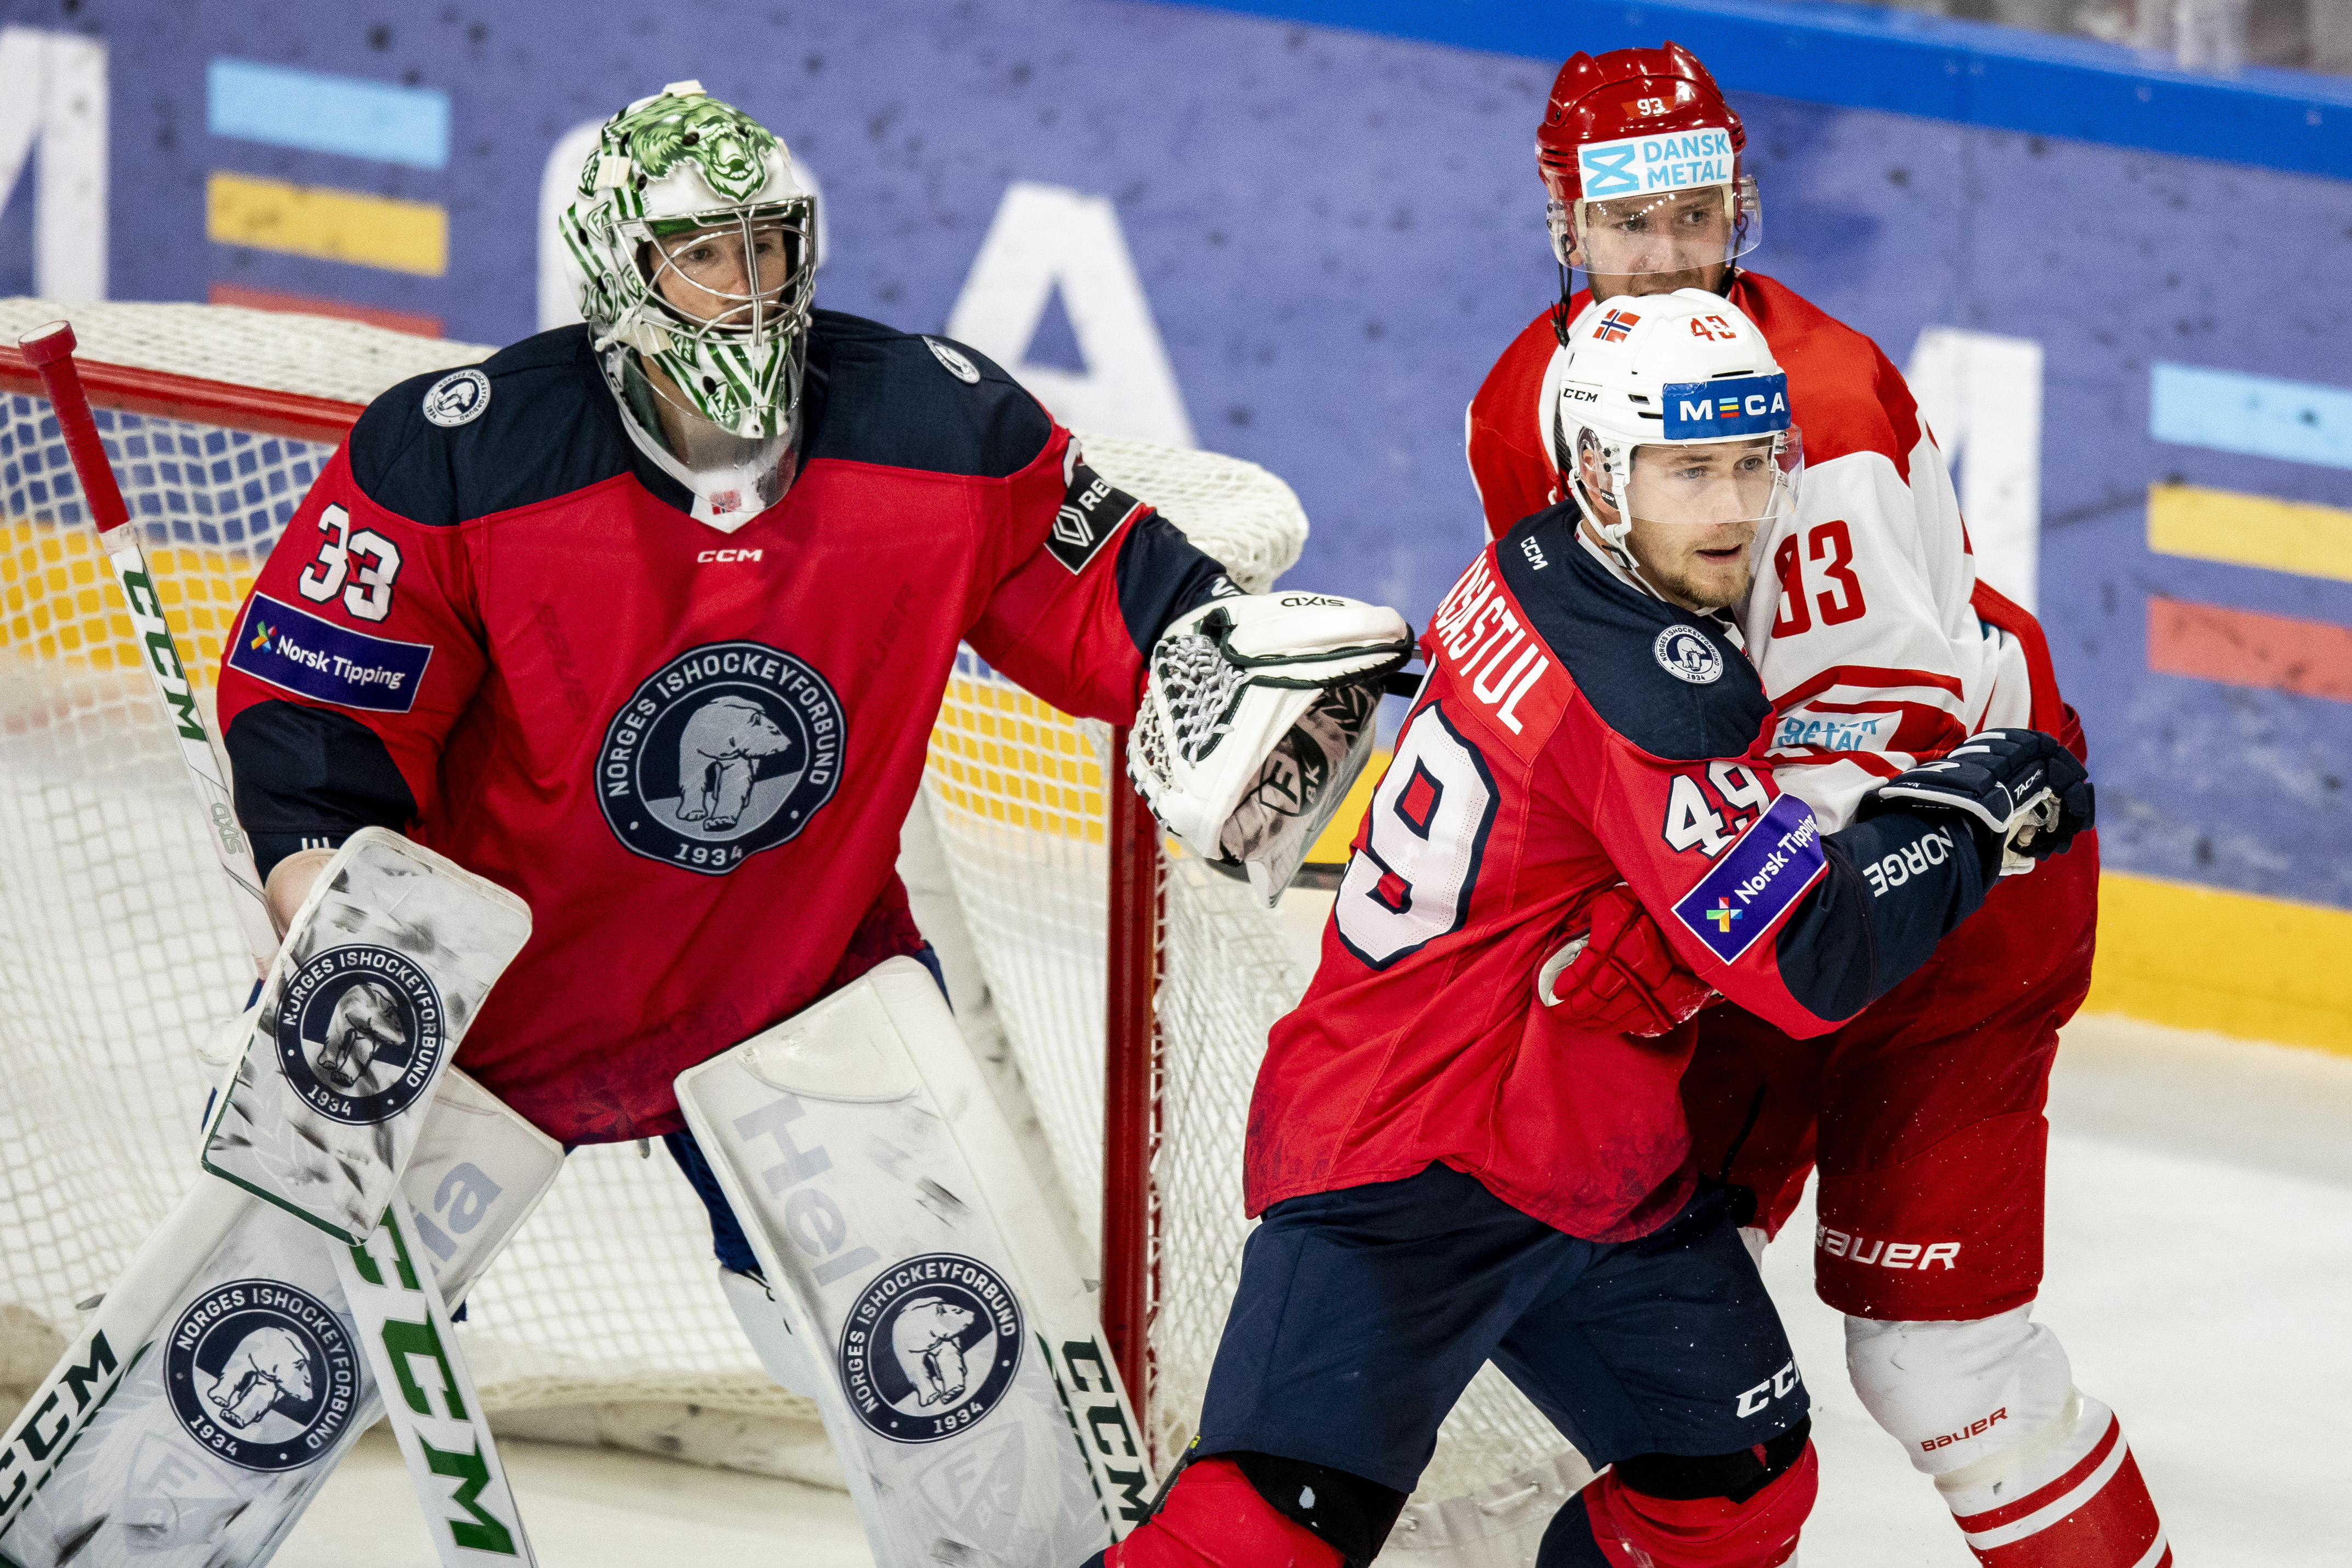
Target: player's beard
x: 1686, y: 587
x: 1713, y: 277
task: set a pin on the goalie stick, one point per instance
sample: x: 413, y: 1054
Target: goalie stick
x: 50, y: 351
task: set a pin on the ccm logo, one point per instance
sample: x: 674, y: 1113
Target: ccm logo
x: 1973, y: 1430
x: 725, y: 556
x: 1777, y: 1386
x: 1886, y: 1254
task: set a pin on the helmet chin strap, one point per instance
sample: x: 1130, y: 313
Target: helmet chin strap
x: 1615, y: 538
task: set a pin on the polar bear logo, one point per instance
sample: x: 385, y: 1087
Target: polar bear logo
x: 925, y: 1336
x: 366, y: 1024
x: 268, y: 1366
x: 718, y: 757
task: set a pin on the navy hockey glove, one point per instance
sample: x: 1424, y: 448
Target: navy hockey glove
x: 2022, y: 792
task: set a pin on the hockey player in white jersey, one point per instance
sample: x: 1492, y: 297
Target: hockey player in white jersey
x: 1879, y: 648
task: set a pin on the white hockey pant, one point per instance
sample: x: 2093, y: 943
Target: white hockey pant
x: 2037, y: 1475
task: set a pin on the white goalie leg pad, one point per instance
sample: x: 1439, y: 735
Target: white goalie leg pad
x: 1257, y: 717
x: 221, y: 1378
x: 960, y: 1368
x: 782, y: 1354
x: 382, y: 970
x: 2024, y: 1459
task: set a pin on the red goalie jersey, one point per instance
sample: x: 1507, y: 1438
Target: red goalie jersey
x: 497, y: 630
x: 1573, y: 733
x: 1877, y: 644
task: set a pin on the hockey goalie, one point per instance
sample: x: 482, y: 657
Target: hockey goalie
x: 644, y: 621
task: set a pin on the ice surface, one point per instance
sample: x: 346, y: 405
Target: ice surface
x: 2200, y: 1264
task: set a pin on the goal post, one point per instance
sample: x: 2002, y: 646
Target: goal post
x: 1130, y: 1077
x: 1134, y: 986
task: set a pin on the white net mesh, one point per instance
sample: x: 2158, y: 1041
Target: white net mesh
x: 118, y: 948
x: 1017, y: 796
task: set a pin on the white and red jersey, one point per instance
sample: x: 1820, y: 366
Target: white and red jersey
x: 690, y: 753
x: 1877, y: 645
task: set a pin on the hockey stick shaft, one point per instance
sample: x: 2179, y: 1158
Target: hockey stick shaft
x: 471, y: 1455
x: 50, y: 351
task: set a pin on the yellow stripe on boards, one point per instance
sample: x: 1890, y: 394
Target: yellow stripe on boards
x: 330, y: 225
x: 58, y: 600
x: 2250, y: 531
x: 2197, y: 957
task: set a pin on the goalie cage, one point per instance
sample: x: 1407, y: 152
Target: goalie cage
x: 118, y: 948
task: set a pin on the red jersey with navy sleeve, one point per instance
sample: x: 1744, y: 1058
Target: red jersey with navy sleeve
x: 1876, y: 643
x: 1574, y: 732
x: 494, y: 626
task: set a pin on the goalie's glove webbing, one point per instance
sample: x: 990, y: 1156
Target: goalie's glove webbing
x: 1257, y: 716
x: 2022, y: 792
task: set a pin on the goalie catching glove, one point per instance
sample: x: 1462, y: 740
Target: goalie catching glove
x: 1257, y: 717
x: 2022, y: 792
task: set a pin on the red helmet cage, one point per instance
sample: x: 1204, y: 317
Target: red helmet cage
x: 1627, y: 92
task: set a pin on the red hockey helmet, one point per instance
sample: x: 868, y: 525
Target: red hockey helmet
x: 1625, y: 139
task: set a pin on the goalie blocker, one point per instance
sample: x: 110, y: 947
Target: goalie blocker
x: 962, y: 1375
x: 240, y: 1353
x: 381, y: 972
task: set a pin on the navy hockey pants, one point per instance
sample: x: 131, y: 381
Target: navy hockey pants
x: 1363, y: 1313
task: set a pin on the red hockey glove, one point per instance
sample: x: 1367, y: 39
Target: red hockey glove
x: 1618, y: 976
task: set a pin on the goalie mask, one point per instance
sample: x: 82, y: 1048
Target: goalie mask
x: 1670, y: 409
x: 693, y: 242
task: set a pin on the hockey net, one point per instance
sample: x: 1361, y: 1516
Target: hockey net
x: 119, y: 950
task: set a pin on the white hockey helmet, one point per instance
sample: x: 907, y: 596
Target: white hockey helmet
x: 1683, y: 411
x: 693, y: 243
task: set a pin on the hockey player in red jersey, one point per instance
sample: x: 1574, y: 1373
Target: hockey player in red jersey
x: 1878, y: 649
x: 647, y: 621
x: 1449, y: 1170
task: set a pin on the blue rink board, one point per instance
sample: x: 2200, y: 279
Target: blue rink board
x: 1338, y: 230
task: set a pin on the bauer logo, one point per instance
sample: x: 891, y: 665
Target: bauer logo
x: 1775, y: 860
x: 261, y: 1373
x: 1092, y: 510
x: 360, y: 1031
x: 1636, y: 165
x: 1736, y: 405
x: 728, y: 750
x: 294, y: 651
x: 930, y: 1347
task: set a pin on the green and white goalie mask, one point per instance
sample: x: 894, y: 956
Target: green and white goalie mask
x: 693, y: 242
x: 1669, y: 408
